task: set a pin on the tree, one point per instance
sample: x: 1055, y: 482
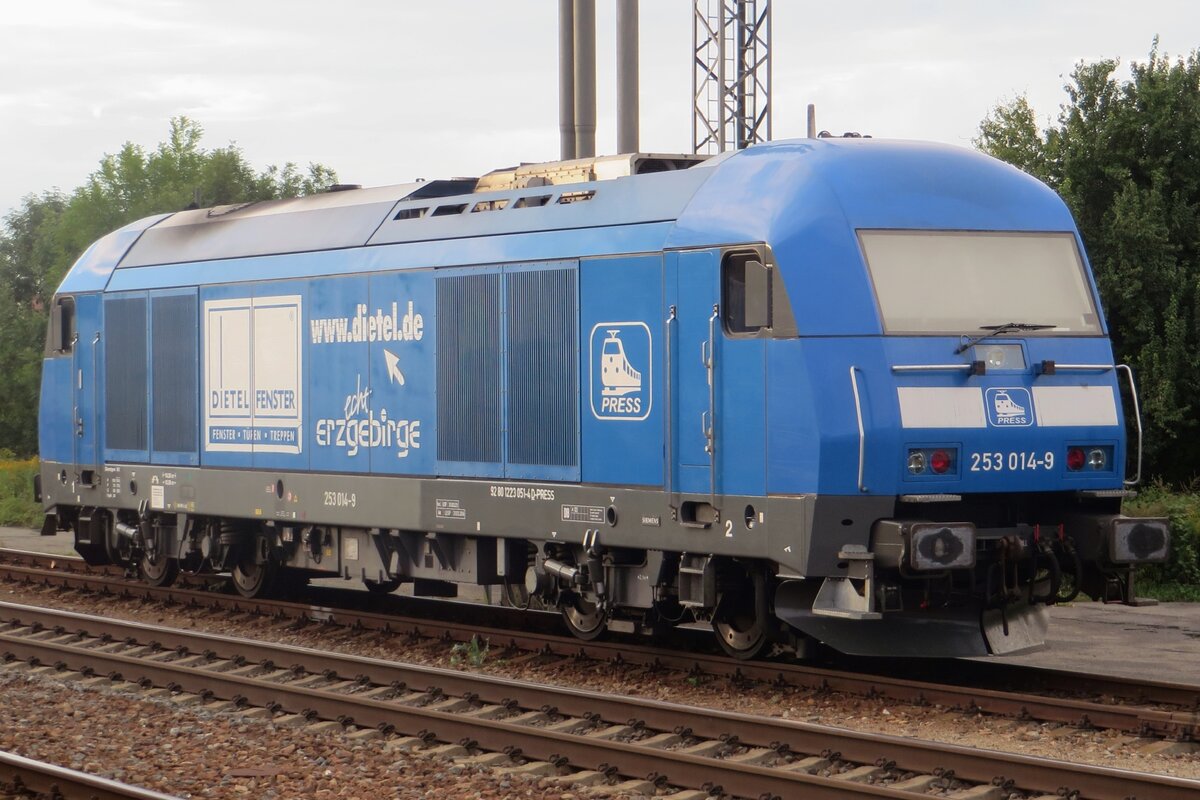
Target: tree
x: 22, y: 332
x: 41, y: 239
x: 1010, y: 133
x: 1122, y: 155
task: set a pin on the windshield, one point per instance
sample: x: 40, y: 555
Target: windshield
x: 961, y: 281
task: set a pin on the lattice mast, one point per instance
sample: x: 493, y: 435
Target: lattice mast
x: 731, y: 74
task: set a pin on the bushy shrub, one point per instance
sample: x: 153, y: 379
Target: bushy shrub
x: 1179, y: 577
x: 16, y: 494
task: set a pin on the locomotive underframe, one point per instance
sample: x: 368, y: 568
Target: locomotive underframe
x: 754, y: 569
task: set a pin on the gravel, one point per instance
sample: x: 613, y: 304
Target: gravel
x: 1107, y: 748
x: 198, y: 752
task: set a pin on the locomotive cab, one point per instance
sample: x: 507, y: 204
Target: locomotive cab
x: 989, y: 407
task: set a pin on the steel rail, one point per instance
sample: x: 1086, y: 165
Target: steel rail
x: 493, y: 735
x: 971, y: 764
x: 1181, y: 722
x: 26, y: 774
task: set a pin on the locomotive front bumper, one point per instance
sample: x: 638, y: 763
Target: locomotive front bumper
x: 1118, y: 540
x: 1138, y: 541
x: 996, y: 605
x: 956, y: 632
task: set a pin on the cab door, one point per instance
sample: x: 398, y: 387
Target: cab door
x: 86, y: 395
x: 693, y: 316
x: 717, y: 376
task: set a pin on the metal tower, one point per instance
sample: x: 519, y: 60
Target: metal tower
x: 731, y: 74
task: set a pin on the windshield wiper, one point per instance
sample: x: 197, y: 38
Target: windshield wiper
x: 995, y: 330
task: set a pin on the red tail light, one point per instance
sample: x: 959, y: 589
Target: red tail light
x: 1075, y: 459
x: 939, y: 462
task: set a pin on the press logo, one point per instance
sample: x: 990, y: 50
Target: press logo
x: 621, y: 371
x: 1009, y: 407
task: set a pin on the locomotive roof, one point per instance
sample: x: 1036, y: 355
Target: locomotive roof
x: 775, y: 192
x: 414, y: 212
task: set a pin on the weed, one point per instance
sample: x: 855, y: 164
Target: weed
x: 16, y: 494
x: 1178, y: 578
x: 472, y: 653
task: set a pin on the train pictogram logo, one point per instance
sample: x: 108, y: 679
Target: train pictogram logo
x: 621, y: 371
x: 1009, y: 407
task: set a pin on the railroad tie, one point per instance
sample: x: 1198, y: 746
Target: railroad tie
x: 982, y: 792
x: 921, y: 784
x: 862, y: 774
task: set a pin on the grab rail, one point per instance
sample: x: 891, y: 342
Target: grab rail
x: 933, y: 368
x: 710, y: 428
x: 76, y: 422
x: 670, y: 379
x: 96, y: 454
x: 862, y: 434
x: 1137, y: 417
x: 1084, y: 367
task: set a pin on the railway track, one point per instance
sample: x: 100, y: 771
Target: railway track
x: 1146, y: 708
x: 24, y: 777
x: 548, y: 729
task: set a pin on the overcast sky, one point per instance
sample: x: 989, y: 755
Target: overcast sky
x: 387, y: 91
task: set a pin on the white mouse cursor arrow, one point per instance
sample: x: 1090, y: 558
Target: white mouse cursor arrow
x: 393, y: 367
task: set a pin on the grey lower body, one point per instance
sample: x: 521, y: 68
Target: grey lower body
x: 782, y: 568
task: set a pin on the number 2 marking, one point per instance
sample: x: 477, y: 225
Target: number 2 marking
x: 728, y: 529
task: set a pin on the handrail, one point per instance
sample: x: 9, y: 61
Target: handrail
x: 670, y: 379
x: 76, y: 422
x: 1137, y: 416
x: 862, y: 435
x: 1084, y: 367
x: 96, y: 454
x: 933, y: 367
x: 711, y: 432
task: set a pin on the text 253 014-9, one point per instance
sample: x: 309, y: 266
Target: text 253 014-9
x: 1011, y: 462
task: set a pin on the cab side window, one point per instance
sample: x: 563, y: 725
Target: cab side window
x: 745, y: 293
x: 62, y: 325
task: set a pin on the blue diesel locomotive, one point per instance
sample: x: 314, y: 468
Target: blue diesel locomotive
x: 850, y: 391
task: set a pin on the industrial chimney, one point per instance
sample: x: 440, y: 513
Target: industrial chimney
x: 577, y: 78
x: 627, y: 76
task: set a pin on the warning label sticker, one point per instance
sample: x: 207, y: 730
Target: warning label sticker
x: 449, y: 509
x: 592, y: 515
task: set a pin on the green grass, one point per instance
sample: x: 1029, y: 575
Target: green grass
x: 17, y: 508
x: 1179, y: 577
x: 1169, y: 592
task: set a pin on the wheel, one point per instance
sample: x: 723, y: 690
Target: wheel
x: 252, y: 579
x: 159, y: 570
x: 583, y: 618
x: 739, y: 629
x: 742, y: 637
